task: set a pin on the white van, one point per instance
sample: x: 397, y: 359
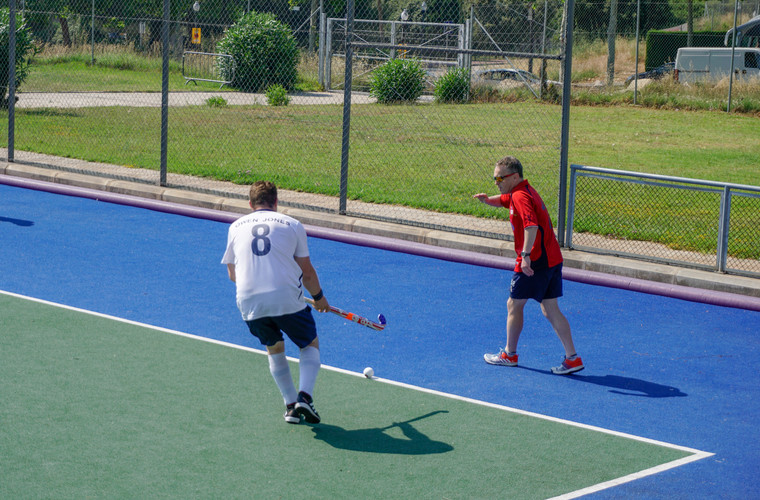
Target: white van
x: 698, y: 64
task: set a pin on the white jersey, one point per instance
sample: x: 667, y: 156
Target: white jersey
x: 262, y: 246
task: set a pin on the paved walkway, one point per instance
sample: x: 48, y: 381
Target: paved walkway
x: 187, y: 98
x: 322, y: 211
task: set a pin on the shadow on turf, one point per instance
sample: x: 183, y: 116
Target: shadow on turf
x: 18, y: 222
x: 627, y: 386
x: 376, y: 440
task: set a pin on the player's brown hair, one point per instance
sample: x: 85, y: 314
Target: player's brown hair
x: 263, y: 194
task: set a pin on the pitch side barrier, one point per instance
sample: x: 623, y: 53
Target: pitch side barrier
x: 685, y: 215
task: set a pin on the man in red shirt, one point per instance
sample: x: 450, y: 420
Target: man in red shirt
x: 538, y: 269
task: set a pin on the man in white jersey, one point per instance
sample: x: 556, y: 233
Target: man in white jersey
x: 268, y: 259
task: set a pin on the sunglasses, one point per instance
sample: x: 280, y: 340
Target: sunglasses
x: 500, y: 178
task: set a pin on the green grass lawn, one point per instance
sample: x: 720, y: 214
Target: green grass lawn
x: 120, y: 72
x: 627, y: 138
x: 79, y: 76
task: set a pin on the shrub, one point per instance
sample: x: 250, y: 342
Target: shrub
x: 264, y: 50
x: 277, y: 95
x: 216, y: 102
x: 398, y: 80
x: 25, y: 50
x: 454, y: 86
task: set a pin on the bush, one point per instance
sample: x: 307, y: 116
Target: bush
x: 277, y: 95
x: 264, y: 50
x: 25, y: 50
x: 398, y: 80
x: 454, y: 86
x: 216, y: 102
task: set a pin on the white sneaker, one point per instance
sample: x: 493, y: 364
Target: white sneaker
x: 568, y: 366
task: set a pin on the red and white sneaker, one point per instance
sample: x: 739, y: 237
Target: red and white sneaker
x: 568, y: 366
x: 502, y: 358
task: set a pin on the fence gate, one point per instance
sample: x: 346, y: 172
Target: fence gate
x: 426, y: 42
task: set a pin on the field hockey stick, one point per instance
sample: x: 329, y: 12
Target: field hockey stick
x: 355, y: 317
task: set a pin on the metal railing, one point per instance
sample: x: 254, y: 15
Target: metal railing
x: 207, y: 67
x: 673, y: 220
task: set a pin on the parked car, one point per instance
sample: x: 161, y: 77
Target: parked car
x: 654, y: 73
x: 509, y: 75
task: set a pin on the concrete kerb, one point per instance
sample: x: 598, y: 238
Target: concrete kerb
x: 573, y: 259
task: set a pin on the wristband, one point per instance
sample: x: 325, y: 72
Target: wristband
x: 525, y: 254
x: 318, y: 295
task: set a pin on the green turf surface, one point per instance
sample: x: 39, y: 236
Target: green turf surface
x: 93, y: 407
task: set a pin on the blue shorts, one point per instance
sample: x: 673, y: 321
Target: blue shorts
x: 299, y: 327
x: 544, y: 284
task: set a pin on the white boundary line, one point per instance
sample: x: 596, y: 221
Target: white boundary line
x: 696, y: 454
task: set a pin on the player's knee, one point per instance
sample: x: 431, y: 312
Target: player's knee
x: 277, y: 348
x: 314, y: 343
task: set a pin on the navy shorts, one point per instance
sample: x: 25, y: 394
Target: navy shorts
x: 299, y: 327
x: 544, y: 284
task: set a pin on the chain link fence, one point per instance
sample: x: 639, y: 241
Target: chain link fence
x: 637, y: 42
x: 353, y: 112
x: 702, y: 224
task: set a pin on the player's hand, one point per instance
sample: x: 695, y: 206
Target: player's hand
x: 525, y: 266
x: 480, y: 196
x: 322, y: 305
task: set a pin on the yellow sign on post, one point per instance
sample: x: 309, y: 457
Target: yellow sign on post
x: 196, y: 39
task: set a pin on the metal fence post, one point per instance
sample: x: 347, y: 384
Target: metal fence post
x: 11, y: 80
x: 723, y: 228
x: 733, y: 51
x: 567, y: 64
x: 636, y: 71
x: 164, y: 91
x: 543, y: 51
x: 346, y: 107
x: 571, y: 207
x: 92, y: 33
x: 321, y: 49
x: 328, y: 55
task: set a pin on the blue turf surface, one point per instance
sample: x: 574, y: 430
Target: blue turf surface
x: 677, y: 371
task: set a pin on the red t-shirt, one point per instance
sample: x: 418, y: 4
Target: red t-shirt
x: 526, y: 208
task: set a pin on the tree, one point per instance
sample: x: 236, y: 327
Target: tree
x: 63, y: 18
x: 265, y: 53
x: 611, y: 35
x: 25, y: 50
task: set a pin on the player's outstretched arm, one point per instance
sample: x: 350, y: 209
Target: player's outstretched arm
x: 494, y: 201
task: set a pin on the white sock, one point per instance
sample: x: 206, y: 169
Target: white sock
x: 310, y: 364
x: 280, y: 370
